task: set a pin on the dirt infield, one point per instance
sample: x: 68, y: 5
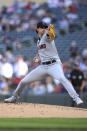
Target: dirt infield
x: 21, y: 110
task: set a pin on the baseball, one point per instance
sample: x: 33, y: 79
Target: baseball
x: 36, y: 60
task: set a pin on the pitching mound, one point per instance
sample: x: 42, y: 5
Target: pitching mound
x: 20, y: 110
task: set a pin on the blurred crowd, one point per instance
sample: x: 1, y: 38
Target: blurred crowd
x: 22, y: 16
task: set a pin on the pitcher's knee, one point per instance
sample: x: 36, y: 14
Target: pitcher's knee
x: 62, y: 79
x: 22, y: 82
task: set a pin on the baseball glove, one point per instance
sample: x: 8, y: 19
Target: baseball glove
x: 51, y: 31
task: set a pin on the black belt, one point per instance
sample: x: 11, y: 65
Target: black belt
x: 48, y: 62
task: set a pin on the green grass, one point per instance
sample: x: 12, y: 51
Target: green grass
x: 40, y: 123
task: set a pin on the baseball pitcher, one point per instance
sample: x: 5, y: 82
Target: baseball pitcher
x: 49, y: 64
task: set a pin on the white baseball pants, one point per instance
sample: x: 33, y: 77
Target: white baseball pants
x: 55, y: 70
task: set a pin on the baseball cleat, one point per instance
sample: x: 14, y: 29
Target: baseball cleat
x: 11, y: 99
x: 79, y: 102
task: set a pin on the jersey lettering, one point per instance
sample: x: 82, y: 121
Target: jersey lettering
x: 41, y: 46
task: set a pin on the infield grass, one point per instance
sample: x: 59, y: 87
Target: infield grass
x: 43, y: 123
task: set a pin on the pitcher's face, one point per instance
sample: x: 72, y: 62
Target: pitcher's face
x: 41, y: 31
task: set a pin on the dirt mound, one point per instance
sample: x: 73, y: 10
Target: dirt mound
x: 20, y: 110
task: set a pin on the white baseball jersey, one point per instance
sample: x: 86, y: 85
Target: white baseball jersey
x: 47, y: 49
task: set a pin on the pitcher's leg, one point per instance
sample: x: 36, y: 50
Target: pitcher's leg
x: 34, y: 75
x: 57, y: 72
x: 68, y: 86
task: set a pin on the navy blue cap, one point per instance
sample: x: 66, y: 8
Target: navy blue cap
x: 42, y: 25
